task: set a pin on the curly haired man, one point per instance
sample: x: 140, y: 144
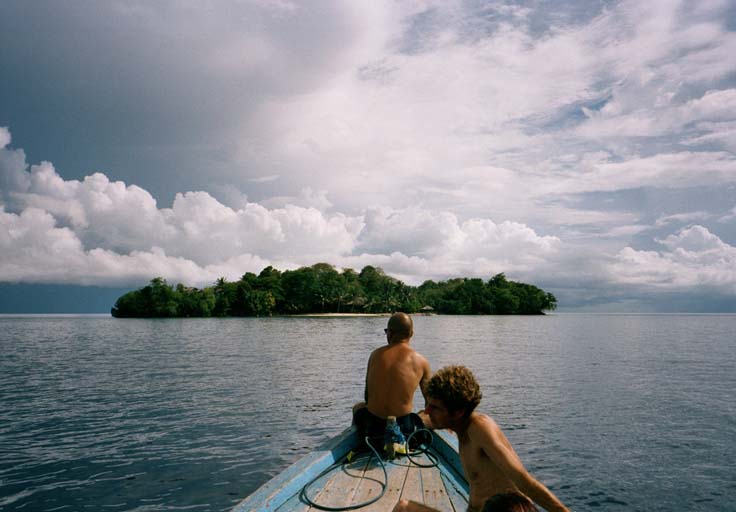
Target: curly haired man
x: 490, y: 463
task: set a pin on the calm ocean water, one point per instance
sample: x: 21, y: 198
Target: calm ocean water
x: 612, y: 412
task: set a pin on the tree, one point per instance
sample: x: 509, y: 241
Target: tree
x: 300, y: 291
x: 321, y: 288
x: 353, y: 296
x: 225, y: 295
x: 329, y: 285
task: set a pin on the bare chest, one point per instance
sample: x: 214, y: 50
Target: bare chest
x: 483, y: 474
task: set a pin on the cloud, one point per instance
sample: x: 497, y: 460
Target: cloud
x: 434, y: 139
x: 719, y: 133
x: 668, y: 170
x: 35, y: 250
x: 682, y: 218
x: 437, y: 245
x: 4, y: 137
x: 451, y: 114
x: 264, y: 179
x: 102, y: 232
x: 728, y: 217
x: 692, y: 258
x: 667, y: 117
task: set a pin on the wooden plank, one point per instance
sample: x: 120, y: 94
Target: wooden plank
x: 370, y: 486
x: 445, y: 445
x: 396, y: 477
x: 458, y: 499
x: 433, y: 488
x: 342, y: 485
x: 396, y: 480
x: 413, y: 484
x: 317, y: 491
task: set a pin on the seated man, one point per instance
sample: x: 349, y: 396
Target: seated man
x: 393, y: 375
x: 490, y: 464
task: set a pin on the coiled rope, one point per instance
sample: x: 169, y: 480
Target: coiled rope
x: 423, y: 450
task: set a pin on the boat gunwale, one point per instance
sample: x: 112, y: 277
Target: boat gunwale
x: 284, y: 485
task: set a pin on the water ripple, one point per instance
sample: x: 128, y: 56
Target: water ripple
x: 611, y: 412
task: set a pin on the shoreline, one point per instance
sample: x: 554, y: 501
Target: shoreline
x: 336, y: 315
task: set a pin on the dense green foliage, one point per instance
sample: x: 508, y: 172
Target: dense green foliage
x: 322, y: 289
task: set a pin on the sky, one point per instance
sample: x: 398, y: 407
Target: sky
x: 586, y: 147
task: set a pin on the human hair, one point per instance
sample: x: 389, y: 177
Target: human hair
x: 509, y: 502
x: 456, y: 387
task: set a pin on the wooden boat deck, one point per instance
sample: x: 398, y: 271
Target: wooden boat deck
x: 359, y: 481
x: 346, y: 484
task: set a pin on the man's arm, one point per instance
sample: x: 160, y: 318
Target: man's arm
x: 496, y: 446
x: 367, y: 371
x: 426, y: 375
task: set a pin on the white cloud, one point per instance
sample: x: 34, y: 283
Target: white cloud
x: 695, y: 239
x: 417, y: 136
x: 728, y: 217
x: 715, y: 132
x: 103, y: 232
x: 693, y: 258
x: 668, y: 170
x: 440, y: 242
x: 4, y: 137
x: 665, y: 117
x: 463, y: 118
x: 682, y: 217
x: 264, y: 179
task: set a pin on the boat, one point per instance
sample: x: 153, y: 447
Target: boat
x: 340, y: 476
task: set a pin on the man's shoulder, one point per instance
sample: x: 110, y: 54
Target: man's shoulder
x: 420, y: 359
x: 481, y: 425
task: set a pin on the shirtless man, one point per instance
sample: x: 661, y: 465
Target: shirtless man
x: 394, y: 372
x: 490, y: 464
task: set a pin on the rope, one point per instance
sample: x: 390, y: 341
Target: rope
x: 423, y: 450
x: 384, y: 484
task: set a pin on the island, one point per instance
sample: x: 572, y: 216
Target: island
x: 321, y: 289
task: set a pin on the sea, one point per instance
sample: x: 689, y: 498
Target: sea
x: 611, y: 412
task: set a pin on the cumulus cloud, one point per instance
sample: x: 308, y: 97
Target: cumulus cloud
x: 431, y: 138
x: 104, y: 232
x: 35, y: 250
x: 691, y: 258
x: 4, y: 137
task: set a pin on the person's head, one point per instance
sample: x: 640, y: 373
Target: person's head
x: 509, y: 502
x: 400, y: 327
x: 452, y: 395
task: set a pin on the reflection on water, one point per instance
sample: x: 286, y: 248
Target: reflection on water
x: 611, y: 412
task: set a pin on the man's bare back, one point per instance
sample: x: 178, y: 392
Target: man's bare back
x: 394, y: 373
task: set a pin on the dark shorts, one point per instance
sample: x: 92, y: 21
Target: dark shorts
x: 506, y: 501
x: 372, y: 426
